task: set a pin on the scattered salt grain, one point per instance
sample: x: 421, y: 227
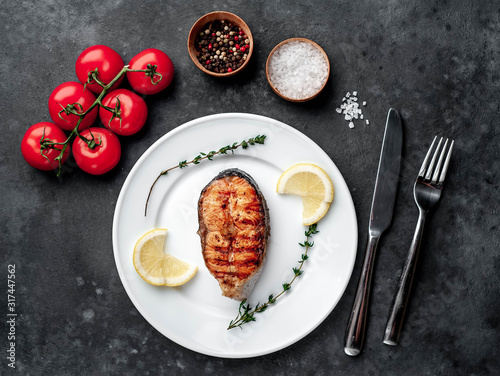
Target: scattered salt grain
x: 350, y: 108
x: 298, y: 70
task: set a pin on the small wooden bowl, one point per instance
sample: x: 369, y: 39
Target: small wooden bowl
x: 199, y: 26
x: 298, y: 40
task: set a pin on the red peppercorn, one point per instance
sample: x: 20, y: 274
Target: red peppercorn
x: 237, y: 46
x: 236, y: 37
x: 242, y: 49
x: 210, y: 46
x: 213, y: 34
x: 241, y: 32
x: 208, y: 62
x: 229, y: 69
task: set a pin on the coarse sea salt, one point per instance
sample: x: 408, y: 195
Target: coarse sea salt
x: 350, y: 109
x: 298, y: 70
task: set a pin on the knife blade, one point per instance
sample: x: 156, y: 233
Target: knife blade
x: 384, y: 197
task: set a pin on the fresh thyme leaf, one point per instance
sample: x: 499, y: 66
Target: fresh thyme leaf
x: 248, y: 314
x: 249, y: 318
x: 224, y: 150
x: 210, y: 155
x: 259, y: 139
x: 242, y: 305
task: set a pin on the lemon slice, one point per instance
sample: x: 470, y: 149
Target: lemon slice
x: 157, y: 267
x: 313, y: 184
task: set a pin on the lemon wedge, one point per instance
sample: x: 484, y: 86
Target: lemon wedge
x: 156, y: 266
x: 313, y: 184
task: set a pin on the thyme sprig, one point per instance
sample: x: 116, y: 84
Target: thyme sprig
x: 247, y: 314
x: 245, y: 144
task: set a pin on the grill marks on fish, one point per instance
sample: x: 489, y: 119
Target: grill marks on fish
x: 234, y: 227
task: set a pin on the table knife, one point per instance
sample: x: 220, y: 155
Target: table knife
x: 384, y: 197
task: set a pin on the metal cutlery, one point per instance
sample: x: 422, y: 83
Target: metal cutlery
x: 427, y: 191
x: 384, y: 197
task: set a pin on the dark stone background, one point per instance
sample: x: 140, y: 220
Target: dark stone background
x: 436, y: 61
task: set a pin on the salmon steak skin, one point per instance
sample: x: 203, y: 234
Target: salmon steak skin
x: 234, y: 229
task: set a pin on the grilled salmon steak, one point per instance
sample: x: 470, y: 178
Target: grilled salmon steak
x: 234, y: 229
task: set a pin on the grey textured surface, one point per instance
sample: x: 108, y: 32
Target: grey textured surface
x: 437, y: 62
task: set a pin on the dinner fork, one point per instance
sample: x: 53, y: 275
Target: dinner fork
x: 427, y: 191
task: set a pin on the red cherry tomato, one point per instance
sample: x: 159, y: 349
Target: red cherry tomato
x: 107, y: 61
x: 133, y: 112
x: 102, y: 157
x: 142, y: 83
x: 31, y: 148
x: 70, y: 93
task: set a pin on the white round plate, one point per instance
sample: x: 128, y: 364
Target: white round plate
x: 196, y: 315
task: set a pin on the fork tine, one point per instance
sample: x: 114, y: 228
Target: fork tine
x: 435, y: 176
x: 431, y: 167
x: 446, y: 163
x: 421, y: 173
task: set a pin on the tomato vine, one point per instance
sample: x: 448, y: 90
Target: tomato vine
x: 76, y: 109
